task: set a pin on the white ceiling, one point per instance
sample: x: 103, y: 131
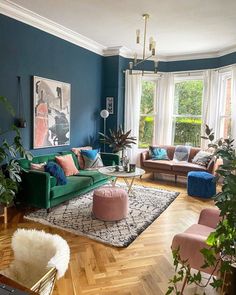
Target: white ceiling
x: 180, y: 27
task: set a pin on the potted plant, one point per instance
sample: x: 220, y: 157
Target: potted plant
x: 221, y: 253
x: 118, y: 140
x: 9, y: 167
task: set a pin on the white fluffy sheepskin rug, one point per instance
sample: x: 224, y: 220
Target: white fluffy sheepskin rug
x: 35, y: 252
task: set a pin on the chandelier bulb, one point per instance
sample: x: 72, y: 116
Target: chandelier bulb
x: 150, y: 43
x: 138, y: 36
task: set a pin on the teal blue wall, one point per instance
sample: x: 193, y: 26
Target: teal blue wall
x: 26, y: 51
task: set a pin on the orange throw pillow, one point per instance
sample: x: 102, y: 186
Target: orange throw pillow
x: 67, y: 164
x: 79, y: 156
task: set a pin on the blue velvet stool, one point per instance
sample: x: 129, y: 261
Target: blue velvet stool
x: 201, y: 184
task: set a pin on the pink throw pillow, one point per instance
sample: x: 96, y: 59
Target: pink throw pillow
x: 38, y: 167
x: 80, y: 158
x: 67, y: 164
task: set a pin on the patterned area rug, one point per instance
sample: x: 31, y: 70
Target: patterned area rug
x: 145, y: 205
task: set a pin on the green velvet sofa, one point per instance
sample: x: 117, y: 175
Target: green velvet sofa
x: 39, y: 189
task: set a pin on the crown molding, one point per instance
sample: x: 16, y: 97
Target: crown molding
x: 117, y: 50
x: 28, y: 17
x: 127, y: 53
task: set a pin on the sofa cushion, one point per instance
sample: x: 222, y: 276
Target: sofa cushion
x: 37, y: 167
x: 181, y: 153
x: 77, y: 152
x: 74, y: 184
x: 93, y: 174
x: 92, y: 158
x: 202, y: 158
x: 67, y: 164
x: 157, y: 153
x: 55, y: 170
x: 160, y: 164
x: 186, y: 167
x: 73, y: 156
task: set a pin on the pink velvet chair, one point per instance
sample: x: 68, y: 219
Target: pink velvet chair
x: 194, y: 238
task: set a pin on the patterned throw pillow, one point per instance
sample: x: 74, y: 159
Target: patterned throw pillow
x: 55, y: 170
x: 181, y: 153
x: 92, y: 159
x: 37, y: 167
x: 202, y: 158
x: 67, y: 164
x: 80, y: 158
x: 157, y: 153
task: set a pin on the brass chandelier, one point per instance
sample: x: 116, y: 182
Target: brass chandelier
x: 151, y: 47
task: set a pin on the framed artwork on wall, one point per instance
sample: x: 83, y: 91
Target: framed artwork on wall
x: 51, y: 113
x: 110, y: 105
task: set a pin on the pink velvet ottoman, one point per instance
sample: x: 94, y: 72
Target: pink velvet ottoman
x: 110, y: 203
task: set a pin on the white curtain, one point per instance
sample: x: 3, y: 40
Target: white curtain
x: 233, y: 105
x: 211, y: 103
x: 133, y: 92
x: 165, y: 103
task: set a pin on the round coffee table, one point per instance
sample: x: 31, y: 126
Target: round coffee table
x: 127, y: 176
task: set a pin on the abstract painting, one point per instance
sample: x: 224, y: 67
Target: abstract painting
x: 51, y: 113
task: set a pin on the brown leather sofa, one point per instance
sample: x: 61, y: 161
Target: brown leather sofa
x: 172, y: 167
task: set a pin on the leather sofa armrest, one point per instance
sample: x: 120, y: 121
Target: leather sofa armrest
x: 144, y: 156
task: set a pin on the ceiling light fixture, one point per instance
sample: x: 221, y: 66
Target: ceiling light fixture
x: 152, y: 48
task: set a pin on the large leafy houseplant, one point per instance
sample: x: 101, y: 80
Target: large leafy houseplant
x: 9, y: 167
x: 221, y: 251
x: 118, y: 140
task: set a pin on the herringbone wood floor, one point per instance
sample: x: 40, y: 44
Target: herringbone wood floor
x: 143, y: 268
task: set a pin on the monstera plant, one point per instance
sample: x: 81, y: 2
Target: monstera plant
x: 9, y: 167
x: 221, y: 251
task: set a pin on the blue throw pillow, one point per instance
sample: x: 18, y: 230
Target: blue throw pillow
x: 55, y: 170
x: 92, y: 159
x: 157, y: 153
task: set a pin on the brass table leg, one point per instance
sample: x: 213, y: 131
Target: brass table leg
x: 129, y: 184
x: 5, y: 215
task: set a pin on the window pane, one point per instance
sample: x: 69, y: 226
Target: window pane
x: 147, y: 99
x: 188, y: 97
x: 146, y: 124
x: 187, y: 131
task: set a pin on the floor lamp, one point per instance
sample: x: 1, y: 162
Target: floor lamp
x: 104, y: 114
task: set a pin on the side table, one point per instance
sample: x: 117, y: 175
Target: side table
x: 13, y: 284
